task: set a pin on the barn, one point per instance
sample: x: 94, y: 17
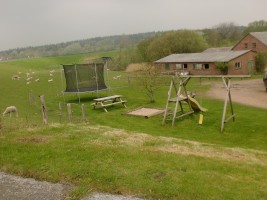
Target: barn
x: 239, y: 62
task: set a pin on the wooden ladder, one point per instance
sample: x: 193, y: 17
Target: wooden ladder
x: 180, y: 95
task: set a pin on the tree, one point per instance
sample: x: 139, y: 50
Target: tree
x: 224, y: 34
x: 256, y: 26
x: 148, y: 78
x: 261, y: 61
x: 183, y: 41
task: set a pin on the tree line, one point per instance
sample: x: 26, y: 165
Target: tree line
x: 188, y: 41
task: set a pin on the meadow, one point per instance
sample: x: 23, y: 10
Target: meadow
x: 116, y: 153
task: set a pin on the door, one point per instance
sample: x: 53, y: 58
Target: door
x: 251, y: 67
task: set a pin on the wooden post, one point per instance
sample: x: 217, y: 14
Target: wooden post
x: 83, y: 113
x: 31, y: 97
x: 69, y: 112
x: 59, y: 106
x: 44, y: 110
x: 227, y: 84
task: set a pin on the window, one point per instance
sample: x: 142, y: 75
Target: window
x: 197, y: 66
x: 178, y: 66
x: 206, y: 66
x: 167, y: 66
x: 238, y: 65
x: 185, y: 66
x: 254, y: 45
x: 245, y: 45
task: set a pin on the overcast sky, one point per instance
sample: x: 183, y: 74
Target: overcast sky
x: 38, y: 22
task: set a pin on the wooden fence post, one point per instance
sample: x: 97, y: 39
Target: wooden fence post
x: 69, y: 112
x: 44, y: 110
x: 83, y: 113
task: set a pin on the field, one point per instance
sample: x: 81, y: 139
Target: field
x: 116, y: 153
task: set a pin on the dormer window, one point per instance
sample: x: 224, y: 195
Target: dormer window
x: 245, y: 45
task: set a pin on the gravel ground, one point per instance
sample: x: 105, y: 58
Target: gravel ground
x: 17, y: 188
x: 250, y: 92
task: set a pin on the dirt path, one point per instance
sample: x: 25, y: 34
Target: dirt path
x: 248, y: 92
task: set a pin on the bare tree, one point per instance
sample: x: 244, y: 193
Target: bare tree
x: 149, y: 80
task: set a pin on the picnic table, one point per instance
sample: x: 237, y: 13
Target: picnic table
x: 105, y: 102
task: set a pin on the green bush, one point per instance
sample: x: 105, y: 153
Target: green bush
x: 223, y: 67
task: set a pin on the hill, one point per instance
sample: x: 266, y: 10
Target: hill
x: 96, y: 44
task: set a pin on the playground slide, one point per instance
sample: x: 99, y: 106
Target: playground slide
x: 195, y: 105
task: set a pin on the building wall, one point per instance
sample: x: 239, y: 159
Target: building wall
x: 248, y: 43
x: 245, y: 60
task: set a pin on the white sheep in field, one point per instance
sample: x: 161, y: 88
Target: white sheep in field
x: 15, y: 77
x: 52, y: 71
x: 37, y: 80
x: 28, y: 79
x: 50, y: 80
x: 10, y: 110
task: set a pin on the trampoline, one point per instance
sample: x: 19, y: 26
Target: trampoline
x: 82, y: 78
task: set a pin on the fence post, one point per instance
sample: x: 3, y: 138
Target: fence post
x: 44, y: 110
x: 69, y: 112
x: 83, y: 113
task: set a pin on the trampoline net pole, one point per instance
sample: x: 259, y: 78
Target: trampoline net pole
x: 96, y: 79
x: 77, y: 84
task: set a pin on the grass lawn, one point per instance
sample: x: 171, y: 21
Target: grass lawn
x: 123, y: 154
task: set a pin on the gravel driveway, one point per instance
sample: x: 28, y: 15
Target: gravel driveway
x: 17, y: 188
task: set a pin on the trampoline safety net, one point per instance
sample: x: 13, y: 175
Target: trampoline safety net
x: 84, y: 77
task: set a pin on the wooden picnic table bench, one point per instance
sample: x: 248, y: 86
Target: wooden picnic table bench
x: 108, y: 101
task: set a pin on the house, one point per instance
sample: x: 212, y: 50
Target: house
x: 256, y: 41
x: 241, y: 58
x: 240, y: 62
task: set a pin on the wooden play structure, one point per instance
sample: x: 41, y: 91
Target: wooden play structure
x: 182, y: 95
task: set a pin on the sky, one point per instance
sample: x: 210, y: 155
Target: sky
x: 26, y: 23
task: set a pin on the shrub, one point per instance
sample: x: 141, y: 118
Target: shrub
x: 223, y: 67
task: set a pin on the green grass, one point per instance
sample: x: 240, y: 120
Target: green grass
x: 125, y: 154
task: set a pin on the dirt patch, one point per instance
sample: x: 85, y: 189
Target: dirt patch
x: 247, y: 92
x: 135, y: 67
x: 145, y: 142
x: 34, y: 139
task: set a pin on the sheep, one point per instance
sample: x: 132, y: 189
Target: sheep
x: 52, y: 71
x: 37, y: 80
x: 28, y: 82
x: 27, y: 74
x: 50, y: 80
x: 11, y: 109
x: 28, y: 79
x: 15, y: 77
x: 51, y: 74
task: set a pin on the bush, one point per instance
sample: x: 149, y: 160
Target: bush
x: 223, y: 67
x: 261, y: 61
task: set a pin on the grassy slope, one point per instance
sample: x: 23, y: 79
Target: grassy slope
x: 93, y: 159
